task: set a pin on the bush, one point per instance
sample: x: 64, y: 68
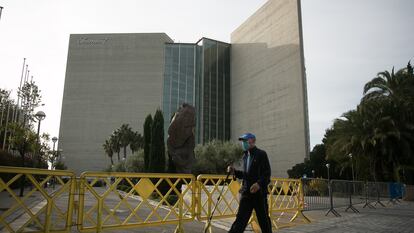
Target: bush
x: 60, y: 166
x: 135, y: 162
x: 171, y: 199
x: 99, y: 183
x: 123, y: 187
x: 318, y: 187
x: 213, y: 157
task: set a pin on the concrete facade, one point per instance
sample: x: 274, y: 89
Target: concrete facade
x: 268, y: 85
x: 113, y: 79
x: 110, y: 79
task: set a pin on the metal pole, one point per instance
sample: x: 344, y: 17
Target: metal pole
x: 20, y: 87
x: 12, y: 120
x: 53, y: 154
x: 1, y: 10
x: 38, y: 140
x: 3, y: 108
x: 331, y: 209
x: 5, y: 129
x: 352, y: 169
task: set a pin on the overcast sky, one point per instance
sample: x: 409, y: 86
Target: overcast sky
x: 346, y: 42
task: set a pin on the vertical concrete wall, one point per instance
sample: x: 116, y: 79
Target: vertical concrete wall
x: 110, y: 79
x: 268, y: 86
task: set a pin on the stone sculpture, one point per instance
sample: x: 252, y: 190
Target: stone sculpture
x: 181, y: 139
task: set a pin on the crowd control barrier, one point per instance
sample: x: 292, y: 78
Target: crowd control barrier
x: 322, y: 194
x: 36, y: 200
x: 286, y: 201
x: 148, y: 199
x: 57, y: 201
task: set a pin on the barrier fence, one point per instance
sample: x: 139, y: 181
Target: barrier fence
x: 56, y: 201
x: 128, y: 200
x: 322, y: 194
x: 44, y: 205
x: 286, y: 201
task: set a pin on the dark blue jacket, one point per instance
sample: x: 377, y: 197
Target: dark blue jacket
x: 259, y: 171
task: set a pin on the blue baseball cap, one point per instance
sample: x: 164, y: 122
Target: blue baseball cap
x: 247, y: 136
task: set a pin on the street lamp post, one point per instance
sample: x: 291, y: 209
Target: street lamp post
x: 351, y: 190
x: 352, y: 167
x: 327, y: 166
x: 331, y: 209
x: 40, y: 115
x: 54, y: 154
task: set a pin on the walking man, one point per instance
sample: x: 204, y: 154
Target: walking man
x: 253, y: 193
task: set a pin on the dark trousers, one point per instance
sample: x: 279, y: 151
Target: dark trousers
x: 248, y: 202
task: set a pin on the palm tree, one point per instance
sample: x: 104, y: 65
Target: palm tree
x: 137, y: 142
x: 125, y: 136
x: 114, y: 141
x: 108, y: 150
x: 397, y: 88
x: 394, y: 95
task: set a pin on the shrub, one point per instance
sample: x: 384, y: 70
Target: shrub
x: 157, y: 148
x: 60, y: 166
x: 213, y: 157
x: 171, y: 199
x: 318, y: 187
x: 135, y: 162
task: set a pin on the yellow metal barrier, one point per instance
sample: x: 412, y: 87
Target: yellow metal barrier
x: 117, y: 201
x: 46, y: 204
x: 209, y: 188
x: 148, y: 199
x: 285, y: 201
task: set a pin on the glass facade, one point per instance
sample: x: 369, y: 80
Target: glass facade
x: 199, y: 74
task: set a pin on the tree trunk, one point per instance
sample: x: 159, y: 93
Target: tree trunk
x: 22, y: 179
x: 112, y: 161
x: 396, y: 171
x: 119, y: 158
x: 125, y: 152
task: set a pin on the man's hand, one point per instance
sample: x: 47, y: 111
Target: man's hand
x: 254, y: 188
x: 230, y: 169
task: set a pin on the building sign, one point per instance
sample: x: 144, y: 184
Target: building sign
x: 92, y: 41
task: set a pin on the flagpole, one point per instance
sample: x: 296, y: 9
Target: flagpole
x: 5, y: 129
x: 20, y: 88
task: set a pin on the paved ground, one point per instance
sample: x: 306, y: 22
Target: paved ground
x: 392, y: 218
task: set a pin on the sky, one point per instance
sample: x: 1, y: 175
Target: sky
x: 346, y: 42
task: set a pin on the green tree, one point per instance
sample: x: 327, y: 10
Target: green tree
x: 115, y: 144
x: 214, y: 157
x: 24, y: 141
x: 147, y: 141
x: 380, y: 132
x: 137, y: 142
x: 393, y: 93
x: 108, y: 150
x: 125, y: 137
x: 31, y: 99
x: 60, y: 165
x: 315, y: 166
x: 157, y: 148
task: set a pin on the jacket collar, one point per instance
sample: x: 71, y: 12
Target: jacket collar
x: 251, y: 151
